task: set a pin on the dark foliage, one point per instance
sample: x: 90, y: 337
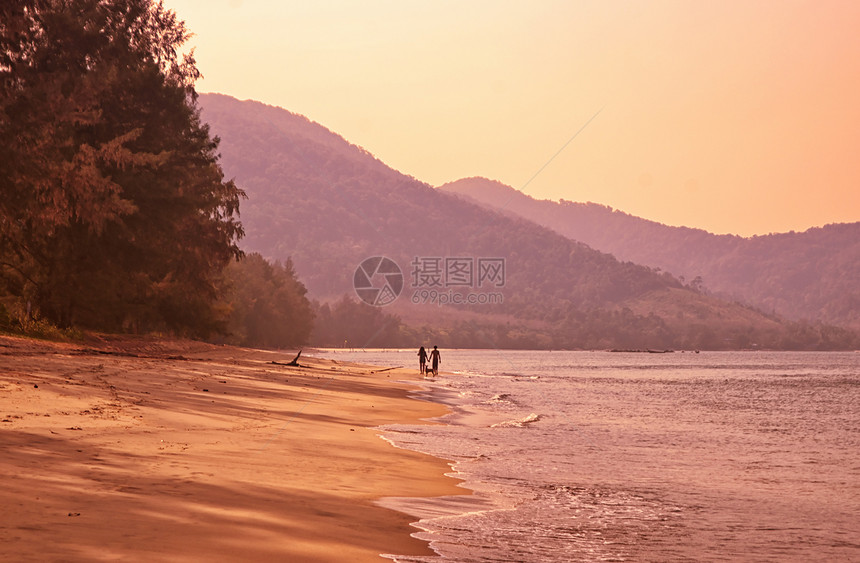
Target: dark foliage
x: 347, y: 323
x: 267, y: 304
x: 114, y: 212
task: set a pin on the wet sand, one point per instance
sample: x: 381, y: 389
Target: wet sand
x: 131, y: 449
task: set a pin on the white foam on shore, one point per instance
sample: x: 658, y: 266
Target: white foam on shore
x: 519, y: 423
x: 425, y: 508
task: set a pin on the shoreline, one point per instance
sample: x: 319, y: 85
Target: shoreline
x: 178, y: 450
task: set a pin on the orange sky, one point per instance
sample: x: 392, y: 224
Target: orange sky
x: 732, y: 116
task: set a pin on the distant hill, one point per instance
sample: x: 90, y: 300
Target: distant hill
x: 811, y: 275
x: 328, y: 205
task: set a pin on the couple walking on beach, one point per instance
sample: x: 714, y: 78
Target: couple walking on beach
x: 435, y: 358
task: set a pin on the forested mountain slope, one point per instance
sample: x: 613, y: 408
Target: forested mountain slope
x: 329, y: 205
x: 810, y: 275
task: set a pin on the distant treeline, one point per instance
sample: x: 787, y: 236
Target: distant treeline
x: 351, y: 324
x: 114, y: 211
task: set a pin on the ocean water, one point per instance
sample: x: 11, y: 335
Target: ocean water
x: 600, y: 456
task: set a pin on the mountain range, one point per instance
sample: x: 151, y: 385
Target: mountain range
x: 812, y: 275
x: 329, y: 206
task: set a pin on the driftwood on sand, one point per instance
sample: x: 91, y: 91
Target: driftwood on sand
x: 293, y: 363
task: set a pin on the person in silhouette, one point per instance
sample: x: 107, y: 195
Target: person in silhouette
x: 422, y: 360
x: 435, y: 359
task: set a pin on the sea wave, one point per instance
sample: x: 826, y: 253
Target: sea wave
x: 499, y: 398
x: 518, y: 423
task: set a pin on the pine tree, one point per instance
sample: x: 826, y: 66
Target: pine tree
x: 114, y: 212
x: 267, y: 303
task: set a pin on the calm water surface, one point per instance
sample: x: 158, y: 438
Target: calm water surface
x: 599, y: 456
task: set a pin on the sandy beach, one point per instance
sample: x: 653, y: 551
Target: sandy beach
x: 148, y: 450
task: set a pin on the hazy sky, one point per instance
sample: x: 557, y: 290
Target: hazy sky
x: 734, y: 116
